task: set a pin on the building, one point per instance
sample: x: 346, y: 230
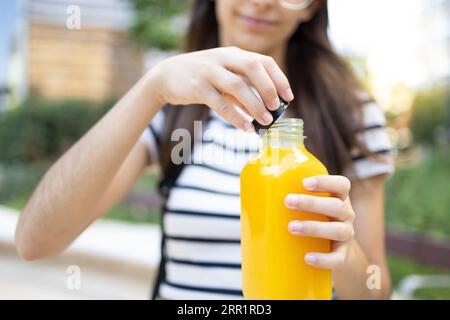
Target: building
x: 73, y: 49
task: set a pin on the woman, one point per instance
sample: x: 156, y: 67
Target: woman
x: 236, y: 50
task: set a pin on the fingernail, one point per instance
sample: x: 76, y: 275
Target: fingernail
x: 248, y: 126
x: 289, y: 95
x: 273, y: 105
x: 310, y: 183
x: 267, y: 117
x: 295, y: 226
x: 310, y: 258
x: 290, y: 200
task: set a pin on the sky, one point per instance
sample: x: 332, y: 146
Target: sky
x: 360, y: 25
x: 405, y: 43
x: 8, y: 14
x: 387, y: 32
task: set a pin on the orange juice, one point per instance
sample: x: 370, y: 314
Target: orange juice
x: 273, y: 265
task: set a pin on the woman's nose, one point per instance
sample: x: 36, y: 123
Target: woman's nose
x: 264, y: 3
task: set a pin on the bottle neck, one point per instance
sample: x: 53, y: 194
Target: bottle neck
x: 284, y: 133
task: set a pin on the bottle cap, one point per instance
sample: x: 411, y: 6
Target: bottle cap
x: 275, y: 114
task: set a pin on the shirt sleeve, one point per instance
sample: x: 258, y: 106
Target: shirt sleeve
x: 374, y: 136
x: 151, y: 136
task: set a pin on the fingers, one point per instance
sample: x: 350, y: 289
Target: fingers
x: 264, y: 74
x: 332, y: 260
x: 334, y: 184
x: 279, y: 79
x: 216, y: 101
x: 241, y: 108
x: 232, y: 84
x: 336, y: 231
x: 329, y: 206
x: 260, y: 79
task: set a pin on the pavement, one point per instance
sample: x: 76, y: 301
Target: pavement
x: 110, y: 260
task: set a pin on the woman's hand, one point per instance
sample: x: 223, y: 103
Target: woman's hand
x: 222, y: 78
x: 337, y: 207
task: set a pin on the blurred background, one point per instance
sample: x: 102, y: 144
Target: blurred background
x: 64, y: 63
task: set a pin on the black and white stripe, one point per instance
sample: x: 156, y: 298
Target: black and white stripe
x: 202, y: 216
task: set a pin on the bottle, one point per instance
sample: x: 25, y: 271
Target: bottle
x: 273, y: 265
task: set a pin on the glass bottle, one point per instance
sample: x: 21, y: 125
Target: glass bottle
x: 273, y: 265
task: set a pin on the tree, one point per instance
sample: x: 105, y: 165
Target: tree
x: 431, y: 113
x: 159, y: 23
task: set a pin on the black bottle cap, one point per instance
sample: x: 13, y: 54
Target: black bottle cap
x: 275, y: 114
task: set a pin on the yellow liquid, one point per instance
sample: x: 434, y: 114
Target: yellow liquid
x: 273, y: 264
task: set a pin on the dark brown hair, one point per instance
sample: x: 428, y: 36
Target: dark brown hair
x: 324, y: 88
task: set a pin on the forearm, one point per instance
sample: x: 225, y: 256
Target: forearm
x: 63, y: 202
x: 350, y: 281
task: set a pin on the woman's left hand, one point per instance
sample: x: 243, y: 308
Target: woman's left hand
x: 337, y: 207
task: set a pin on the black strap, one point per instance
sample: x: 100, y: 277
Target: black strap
x: 165, y: 185
x: 161, y: 271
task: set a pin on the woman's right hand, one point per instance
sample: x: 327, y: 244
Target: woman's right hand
x: 222, y: 78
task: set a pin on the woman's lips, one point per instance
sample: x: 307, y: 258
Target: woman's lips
x: 256, y: 22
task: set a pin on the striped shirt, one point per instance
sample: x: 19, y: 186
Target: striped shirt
x: 201, y: 223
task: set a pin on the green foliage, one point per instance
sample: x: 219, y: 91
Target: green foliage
x: 400, y: 267
x: 154, y: 23
x: 34, y: 134
x: 430, y: 110
x: 41, y: 130
x: 134, y: 214
x: 417, y: 198
x: 17, y: 182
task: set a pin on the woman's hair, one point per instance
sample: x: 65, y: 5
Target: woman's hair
x: 324, y: 88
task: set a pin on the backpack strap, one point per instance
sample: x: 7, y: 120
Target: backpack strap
x: 170, y: 175
x: 165, y: 186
